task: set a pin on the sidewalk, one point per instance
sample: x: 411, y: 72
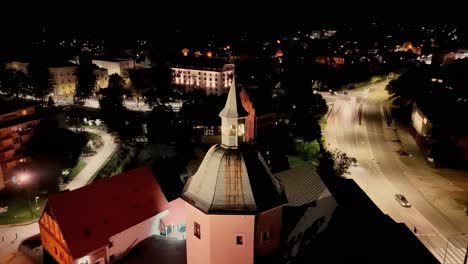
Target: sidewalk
x: 94, y: 163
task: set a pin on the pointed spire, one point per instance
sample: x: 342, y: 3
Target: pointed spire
x: 233, y: 107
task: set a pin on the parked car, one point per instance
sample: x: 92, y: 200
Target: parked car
x: 32, y: 247
x: 402, y: 200
x: 354, y: 162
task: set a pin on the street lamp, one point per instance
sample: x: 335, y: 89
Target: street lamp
x: 446, y: 247
x: 21, y: 179
x: 37, y: 205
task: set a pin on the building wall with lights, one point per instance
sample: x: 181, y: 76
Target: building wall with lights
x: 12, y: 137
x: 16, y: 129
x: 64, y: 80
x: 214, y: 81
x: 420, y: 121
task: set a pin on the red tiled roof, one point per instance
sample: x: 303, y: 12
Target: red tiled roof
x: 176, y: 213
x: 88, y: 216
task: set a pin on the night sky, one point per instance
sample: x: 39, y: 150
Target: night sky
x: 121, y: 23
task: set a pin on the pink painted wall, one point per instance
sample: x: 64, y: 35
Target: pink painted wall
x: 224, y: 229
x: 269, y: 221
x: 129, y: 238
x: 198, y: 250
x: 218, y: 238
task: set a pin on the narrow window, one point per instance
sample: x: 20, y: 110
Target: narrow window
x: 239, y: 240
x: 196, y: 230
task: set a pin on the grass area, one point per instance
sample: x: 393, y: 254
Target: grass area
x: 305, y: 152
x: 19, y: 210
x: 115, y: 164
x: 323, y: 122
x: 77, y: 169
x: 93, y: 137
x: 295, y: 161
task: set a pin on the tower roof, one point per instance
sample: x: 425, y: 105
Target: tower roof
x: 233, y: 181
x: 233, y: 107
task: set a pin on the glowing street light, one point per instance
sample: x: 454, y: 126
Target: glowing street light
x: 22, y: 178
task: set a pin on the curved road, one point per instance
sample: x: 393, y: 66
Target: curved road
x: 12, y: 236
x: 357, y: 125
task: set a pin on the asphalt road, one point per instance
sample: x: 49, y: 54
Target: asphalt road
x: 358, y: 126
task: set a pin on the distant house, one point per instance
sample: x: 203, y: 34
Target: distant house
x: 212, y: 75
x: 63, y: 78
x: 17, y: 123
x: 101, y: 222
x: 18, y: 66
x: 118, y: 66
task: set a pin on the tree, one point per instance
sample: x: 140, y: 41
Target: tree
x: 411, y: 85
x: 333, y: 163
x: 86, y: 82
x: 40, y: 80
x: 13, y: 83
x: 111, y: 104
x: 50, y: 102
x: 53, y: 149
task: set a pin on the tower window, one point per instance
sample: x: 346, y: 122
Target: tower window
x: 196, y: 230
x: 266, y: 235
x: 239, y: 240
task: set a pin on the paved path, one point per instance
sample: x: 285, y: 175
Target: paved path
x: 93, y: 163
x: 12, y: 236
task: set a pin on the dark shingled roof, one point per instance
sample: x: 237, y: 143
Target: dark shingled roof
x: 201, y: 63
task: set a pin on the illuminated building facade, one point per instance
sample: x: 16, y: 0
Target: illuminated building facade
x: 16, y: 128
x: 63, y: 78
x: 212, y: 75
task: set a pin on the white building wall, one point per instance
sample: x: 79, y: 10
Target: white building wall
x: 111, y: 66
x: 117, y: 67
x: 127, y: 239
x: 64, y: 80
x: 420, y: 121
x: 212, y: 82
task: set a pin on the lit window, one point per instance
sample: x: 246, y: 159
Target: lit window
x: 239, y: 240
x: 196, y: 230
x: 266, y: 235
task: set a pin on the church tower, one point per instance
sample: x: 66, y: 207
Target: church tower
x: 233, y: 202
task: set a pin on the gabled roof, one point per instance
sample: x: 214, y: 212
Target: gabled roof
x: 88, y: 216
x: 302, y: 185
x: 233, y: 107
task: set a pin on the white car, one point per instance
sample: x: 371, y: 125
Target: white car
x: 402, y: 200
